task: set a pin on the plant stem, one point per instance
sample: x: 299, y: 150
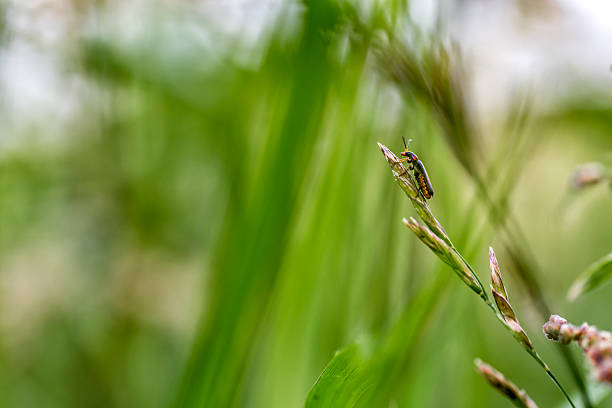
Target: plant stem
x: 526, y: 267
x: 534, y: 354
x: 458, y: 262
x: 551, y: 375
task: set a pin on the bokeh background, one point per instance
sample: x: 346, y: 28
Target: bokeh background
x: 194, y: 211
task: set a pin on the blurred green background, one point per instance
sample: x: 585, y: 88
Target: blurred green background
x: 194, y: 211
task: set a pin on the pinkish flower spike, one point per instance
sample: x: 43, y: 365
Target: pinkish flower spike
x: 597, y: 345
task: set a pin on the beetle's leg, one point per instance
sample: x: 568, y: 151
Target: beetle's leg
x: 420, y: 191
x: 405, y: 169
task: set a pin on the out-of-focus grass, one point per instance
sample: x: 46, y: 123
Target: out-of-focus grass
x: 212, y: 230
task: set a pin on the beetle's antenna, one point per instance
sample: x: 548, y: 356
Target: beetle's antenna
x: 404, y: 140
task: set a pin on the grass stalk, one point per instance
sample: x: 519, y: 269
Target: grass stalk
x: 433, y: 235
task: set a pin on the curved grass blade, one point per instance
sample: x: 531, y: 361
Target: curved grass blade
x: 596, y: 275
x: 343, y: 383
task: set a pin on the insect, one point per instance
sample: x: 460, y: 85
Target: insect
x: 420, y: 174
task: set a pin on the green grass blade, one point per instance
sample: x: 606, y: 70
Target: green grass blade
x: 343, y: 383
x: 596, y: 275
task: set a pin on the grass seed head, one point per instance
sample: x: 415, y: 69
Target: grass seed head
x: 503, y: 385
x: 445, y: 252
x: 511, y: 320
x: 407, y: 183
x: 503, y: 304
x: 433, y: 235
x: 496, y: 279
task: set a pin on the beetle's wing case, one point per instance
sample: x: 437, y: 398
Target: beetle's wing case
x: 419, y: 168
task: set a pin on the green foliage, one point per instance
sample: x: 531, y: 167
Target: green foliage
x: 343, y: 383
x: 216, y: 222
x: 596, y: 275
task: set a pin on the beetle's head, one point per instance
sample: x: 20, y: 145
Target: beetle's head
x: 411, y: 156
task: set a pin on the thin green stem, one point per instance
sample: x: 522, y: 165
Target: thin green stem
x: 534, y: 354
x: 537, y: 357
x: 526, y: 271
